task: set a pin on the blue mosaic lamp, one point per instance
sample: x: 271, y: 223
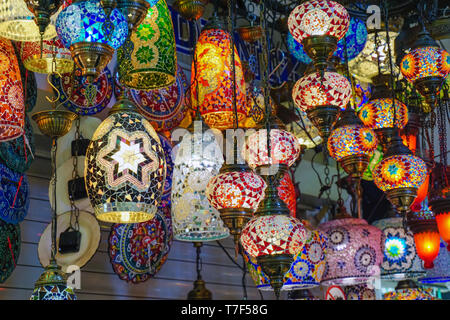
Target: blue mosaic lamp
x: 91, y: 36
x: 440, y: 273
x: 14, y: 196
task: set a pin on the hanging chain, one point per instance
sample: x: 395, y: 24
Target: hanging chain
x: 74, y: 210
x: 53, y: 182
x: 230, y: 22
x: 198, y: 260
x: 327, y: 180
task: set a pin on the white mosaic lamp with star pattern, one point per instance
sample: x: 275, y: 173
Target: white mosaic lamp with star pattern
x: 125, y: 167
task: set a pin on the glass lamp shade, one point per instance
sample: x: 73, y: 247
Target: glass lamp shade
x: 149, y: 62
x: 422, y: 193
x: 125, y: 167
x: 284, y: 148
x: 234, y: 190
x: 83, y: 22
x: 256, y: 106
x: 306, y: 271
x: 359, y: 292
x: 379, y: 114
x: 10, y: 243
x: 212, y: 80
x: 318, y: 18
x: 12, y: 105
x: 410, y: 294
x: 425, y: 62
x: 440, y: 273
x: 443, y: 223
x: 309, y: 92
x: 297, y: 50
x: 286, y: 192
x: 374, y: 160
x: 52, y: 285
x: 400, y: 259
x: 354, y: 252
x: 273, y: 235
x: 14, y: 195
x: 400, y: 171
x: 351, y: 140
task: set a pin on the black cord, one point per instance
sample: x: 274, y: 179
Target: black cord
x: 228, y: 255
x: 244, y: 273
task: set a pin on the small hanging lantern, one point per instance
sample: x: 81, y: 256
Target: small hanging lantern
x: 148, y: 60
x: 408, y: 290
x: 440, y: 273
x: 42, y: 11
x: 190, y: 9
x: 125, y: 167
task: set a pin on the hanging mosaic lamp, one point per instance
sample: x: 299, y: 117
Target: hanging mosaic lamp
x: 443, y: 223
x: 426, y: 66
x: 305, y: 272
x: 150, y: 242
x: 14, y: 195
x: 318, y: 25
x: 125, y: 168
x: 359, y: 292
x: 399, y: 175
x: 198, y: 159
x: 212, y: 79
x: 440, y: 273
x: 28, y: 81
x: 149, y: 62
x: 306, y: 133
x: 10, y: 243
x: 352, y: 144
x: 354, y: 251
x: 422, y: 193
x: 426, y: 236
x: 17, y: 22
x: 12, y: 107
x: 408, y: 290
x: 82, y: 28
x: 400, y: 259
x: 286, y: 192
x: 190, y: 9
x: 322, y: 100
x: 255, y: 105
x: 41, y: 62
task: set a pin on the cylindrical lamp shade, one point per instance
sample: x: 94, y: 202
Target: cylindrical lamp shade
x: 83, y: 21
x: 440, y: 273
x: 150, y: 62
x: 12, y: 105
x: 212, y: 80
x: 14, y: 195
x: 125, y: 167
x: 400, y: 171
x: 354, y: 252
x: 318, y: 18
x: 379, y: 114
x: 286, y: 192
x: 306, y: 271
x: 400, y: 260
x: 273, y: 235
x: 284, y: 148
x: 41, y: 62
x: 351, y: 140
x: 310, y: 92
x: 425, y: 62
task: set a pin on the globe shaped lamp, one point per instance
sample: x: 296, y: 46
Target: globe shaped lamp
x: 125, y: 167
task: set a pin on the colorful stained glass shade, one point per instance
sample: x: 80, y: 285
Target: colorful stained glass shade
x: 12, y: 107
x: 354, y: 251
x: 410, y: 294
x: 374, y: 160
x: 28, y: 81
x: 18, y: 154
x: 351, y: 140
x: 138, y: 250
x: 272, y: 235
x: 306, y: 271
x: 379, y: 114
x: 10, y: 243
x: 318, y: 18
x: 400, y: 259
x: 286, y: 192
x: 310, y: 92
x: 14, y: 195
x: 164, y: 108
x: 212, y: 81
x: 125, y: 167
x: 85, y: 22
x: 440, y: 273
x: 149, y: 60
x: 425, y: 62
x: 400, y: 171
x: 79, y: 97
x: 53, y: 292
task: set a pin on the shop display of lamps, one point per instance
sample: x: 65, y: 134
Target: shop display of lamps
x: 125, y: 167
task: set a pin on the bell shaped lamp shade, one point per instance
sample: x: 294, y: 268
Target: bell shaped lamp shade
x: 12, y: 105
x: 212, y: 80
x: 125, y: 167
x: 150, y: 63
x: 440, y: 273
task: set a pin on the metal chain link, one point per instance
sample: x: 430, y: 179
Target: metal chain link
x: 74, y: 210
x: 53, y: 182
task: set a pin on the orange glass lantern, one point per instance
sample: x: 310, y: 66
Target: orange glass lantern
x: 422, y: 193
x: 12, y: 105
x: 411, y: 142
x: 286, y: 191
x: 443, y: 223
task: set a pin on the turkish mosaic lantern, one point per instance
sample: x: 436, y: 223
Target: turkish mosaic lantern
x: 322, y: 100
x: 190, y: 9
x: 400, y: 258
x: 359, y: 292
x: 399, y: 175
x: 149, y: 62
x: 318, y: 25
x: 42, y: 62
x: 10, y: 243
x: 14, y: 195
x: 426, y: 66
x: 150, y: 244
x: 440, y: 273
x: 125, y: 167
x: 354, y: 253
x: 286, y: 192
x: 12, y: 107
x: 408, y: 290
x: 212, y: 79
x: 84, y: 28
